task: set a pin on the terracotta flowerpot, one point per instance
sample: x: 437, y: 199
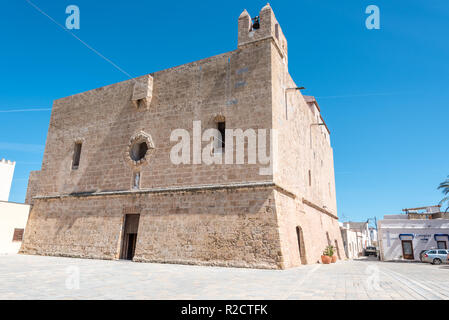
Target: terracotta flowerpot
x: 334, y: 259
x: 326, y: 259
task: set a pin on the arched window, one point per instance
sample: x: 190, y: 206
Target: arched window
x: 138, y: 150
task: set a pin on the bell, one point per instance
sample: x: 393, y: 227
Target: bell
x: 256, y: 23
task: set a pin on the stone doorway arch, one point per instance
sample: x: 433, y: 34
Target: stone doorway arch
x: 301, y: 246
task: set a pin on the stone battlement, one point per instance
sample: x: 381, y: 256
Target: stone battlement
x: 4, y: 161
x: 6, y: 175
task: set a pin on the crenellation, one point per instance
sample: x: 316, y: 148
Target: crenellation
x: 269, y: 28
x: 7, y: 162
x: 6, y: 174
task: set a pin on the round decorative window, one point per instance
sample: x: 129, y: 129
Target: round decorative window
x: 139, y: 149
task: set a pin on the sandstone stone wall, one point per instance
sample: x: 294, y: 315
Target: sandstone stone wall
x: 220, y: 214
x: 33, y: 187
x: 235, y: 227
x: 305, y: 167
x: 318, y: 231
x: 303, y: 144
x: 233, y: 85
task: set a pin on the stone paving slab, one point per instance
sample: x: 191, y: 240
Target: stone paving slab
x: 40, y: 277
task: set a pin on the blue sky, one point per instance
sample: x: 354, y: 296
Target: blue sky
x: 383, y: 93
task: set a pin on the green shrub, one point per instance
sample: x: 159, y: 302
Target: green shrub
x: 329, y: 251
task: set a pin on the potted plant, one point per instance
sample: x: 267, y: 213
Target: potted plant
x: 334, y: 259
x: 331, y: 251
x: 326, y: 258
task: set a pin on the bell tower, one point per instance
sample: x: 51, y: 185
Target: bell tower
x: 264, y: 26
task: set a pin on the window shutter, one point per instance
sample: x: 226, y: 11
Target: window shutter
x: 18, y: 235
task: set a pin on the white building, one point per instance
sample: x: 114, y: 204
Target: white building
x: 363, y: 234
x: 350, y: 241
x: 405, y: 236
x: 13, y: 216
x: 6, y: 173
x: 356, y: 237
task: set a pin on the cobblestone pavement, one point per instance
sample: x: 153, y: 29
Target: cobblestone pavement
x: 38, y: 277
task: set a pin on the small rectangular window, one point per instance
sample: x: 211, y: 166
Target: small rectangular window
x: 221, y: 126
x: 76, y: 155
x: 136, y: 180
x: 18, y: 235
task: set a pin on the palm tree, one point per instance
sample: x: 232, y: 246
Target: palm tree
x: 445, y: 186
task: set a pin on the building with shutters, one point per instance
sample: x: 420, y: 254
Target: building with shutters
x: 112, y: 185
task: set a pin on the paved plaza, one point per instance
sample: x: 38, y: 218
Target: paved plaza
x: 39, y: 277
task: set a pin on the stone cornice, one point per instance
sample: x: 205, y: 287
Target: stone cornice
x: 316, y: 207
x: 192, y: 188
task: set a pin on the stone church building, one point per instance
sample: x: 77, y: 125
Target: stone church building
x: 109, y: 189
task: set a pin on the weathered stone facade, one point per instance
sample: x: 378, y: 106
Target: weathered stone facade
x: 193, y: 213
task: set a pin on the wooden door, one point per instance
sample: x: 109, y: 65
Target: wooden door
x: 407, y: 249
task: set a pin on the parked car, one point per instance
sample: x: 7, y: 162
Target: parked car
x: 370, y: 251
x: 421, y: 254
x: 436, y: 256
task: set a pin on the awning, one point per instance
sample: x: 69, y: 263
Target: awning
x: 406, y: 236
x: 441, y: 237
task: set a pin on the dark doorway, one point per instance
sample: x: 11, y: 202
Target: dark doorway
x: 131, y: 245
x: 407, y: 249
x: 302, y: 250
x: 129, y: 241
